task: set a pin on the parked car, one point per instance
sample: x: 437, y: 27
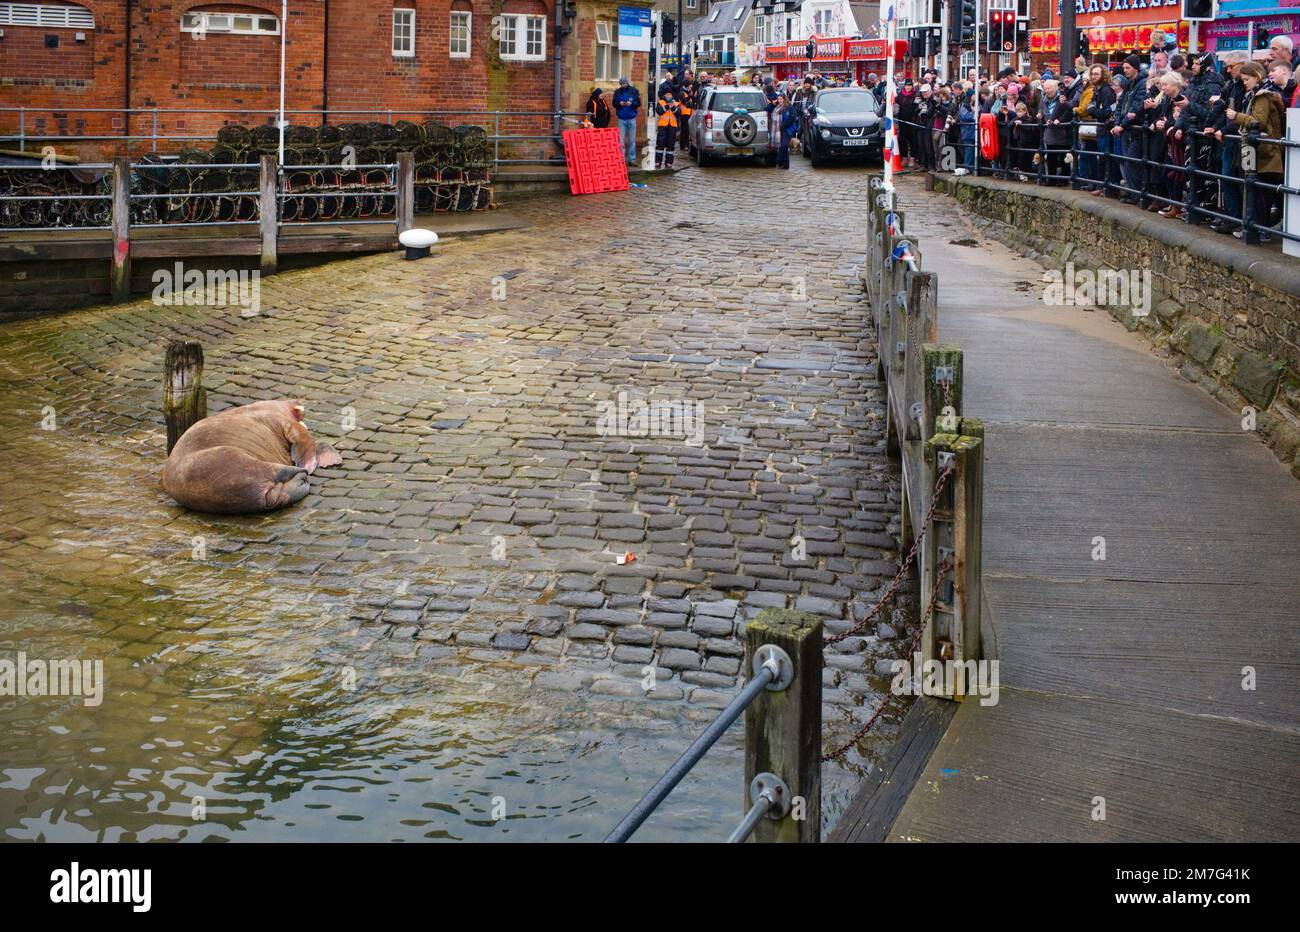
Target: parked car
x: 843, y: 122
x: 730, y: 123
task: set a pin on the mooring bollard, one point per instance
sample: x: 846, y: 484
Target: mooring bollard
x: 783, y: 729
x: 952, y: 632
x: 185, y: 401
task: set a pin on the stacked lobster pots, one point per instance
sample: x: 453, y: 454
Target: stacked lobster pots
x: 331, y: 173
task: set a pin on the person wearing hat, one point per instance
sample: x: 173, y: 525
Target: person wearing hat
x: 1262, y: 111
x: 598, y: 109
x: 627, y: 105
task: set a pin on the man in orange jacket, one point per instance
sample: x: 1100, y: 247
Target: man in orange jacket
x: 667, y: 108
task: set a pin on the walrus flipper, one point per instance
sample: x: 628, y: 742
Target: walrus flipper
x: 327, y: 456
x: 226, y: 480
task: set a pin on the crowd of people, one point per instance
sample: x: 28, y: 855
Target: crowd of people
x: 1131, y: 133
x: 1135, y: 132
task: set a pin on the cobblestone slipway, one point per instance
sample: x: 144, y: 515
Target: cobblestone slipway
x: 442, y: 628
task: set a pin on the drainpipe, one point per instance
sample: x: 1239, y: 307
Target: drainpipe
x: 126, y: 77
x: 325, y: 68
x: 557, y: 101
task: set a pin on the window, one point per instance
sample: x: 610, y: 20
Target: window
x: 246, y: 24
x: 460, y: 25
x: 44, y: 14
x: 611, y: 63
x: 760, y: 29
x: 403, y: 33
x: 690, y: 4
x: 523, y: 37
x: 822, y: 22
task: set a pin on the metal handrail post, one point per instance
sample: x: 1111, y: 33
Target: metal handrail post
x: 1248, y: 178
x: 665, y: 785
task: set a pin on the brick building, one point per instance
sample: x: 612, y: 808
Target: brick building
x: 393, y: 58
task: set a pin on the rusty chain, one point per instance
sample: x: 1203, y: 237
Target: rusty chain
x: 897, y: 581
x: 939, y: 577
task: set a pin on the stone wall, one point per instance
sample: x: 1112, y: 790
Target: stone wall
x: 1225, y: 314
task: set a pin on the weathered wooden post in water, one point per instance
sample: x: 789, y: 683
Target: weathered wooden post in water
x: 269, y: 213
x: 185, y: 401
x: 405, y: 191
x: 783, y: 729
x: 119, y: 268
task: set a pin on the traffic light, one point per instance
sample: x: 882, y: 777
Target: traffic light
x: 1084, y: 48
x: 1198, y: 9
x: 962, y: 26
x: 670, y: 30
x: 1001, y: 22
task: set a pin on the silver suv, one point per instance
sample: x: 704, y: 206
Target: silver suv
x: 731, y: 122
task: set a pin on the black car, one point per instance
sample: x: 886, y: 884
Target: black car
x: 843, y: 122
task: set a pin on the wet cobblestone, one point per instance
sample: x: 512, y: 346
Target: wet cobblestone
x: 473, y: 533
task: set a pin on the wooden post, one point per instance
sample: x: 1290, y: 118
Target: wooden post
x: 900, y: 317
x: 937, y: 361
x: 185, y: 401
x: 953, y: 631
x: 119, y: 275
x: 269, y: 213
x: 405, y: 191
x: 783, y: 730
x: 923, y: 312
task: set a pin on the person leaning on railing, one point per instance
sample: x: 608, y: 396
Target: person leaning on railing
x: 1223, y: 129
x: 1161, y: 118
x: 1262, y: 112
x: 1129, y: 127
x: 1205, y: 84
x: 1056, y: 115
x: 1094, y: 110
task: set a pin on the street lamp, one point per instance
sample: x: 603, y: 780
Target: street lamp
x: 284, y: 33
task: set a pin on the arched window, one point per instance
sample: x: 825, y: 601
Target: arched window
x: 50, y: 15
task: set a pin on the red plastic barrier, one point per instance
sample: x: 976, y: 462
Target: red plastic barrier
x: 988, y: 136
x: 596, y: 160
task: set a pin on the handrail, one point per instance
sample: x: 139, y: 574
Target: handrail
x: 1110, y: 161
x: 772, y: 669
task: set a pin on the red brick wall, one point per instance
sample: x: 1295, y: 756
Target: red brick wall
x: 175, y: 70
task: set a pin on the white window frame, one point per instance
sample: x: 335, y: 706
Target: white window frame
x: 468, y: 24
x: 238, y: 24
x: 616, y: 62
x: 823, y: 22
x: 519, y: 32
x: 403, y: 32
x: 47, y: 15
x: 690, y: 4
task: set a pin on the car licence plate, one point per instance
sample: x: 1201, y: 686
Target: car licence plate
x: 857, y: 142
x: 739, y: 150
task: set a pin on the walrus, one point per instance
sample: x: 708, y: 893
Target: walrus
x: 248, y: 459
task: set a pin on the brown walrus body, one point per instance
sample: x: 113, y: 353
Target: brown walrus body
x: 247, y: 459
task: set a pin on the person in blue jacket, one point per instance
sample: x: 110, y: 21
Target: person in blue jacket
x: 967, y: 117
x: 627, y: 104
x: 786, y: 119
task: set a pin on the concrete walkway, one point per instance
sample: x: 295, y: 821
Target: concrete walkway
x: 1122, y: 678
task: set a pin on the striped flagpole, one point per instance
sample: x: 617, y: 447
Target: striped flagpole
x: 892, y: 161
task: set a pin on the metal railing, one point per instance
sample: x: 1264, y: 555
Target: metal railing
x: 1143, y: 176
x: 773, y: 671
x: 161, y: 128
